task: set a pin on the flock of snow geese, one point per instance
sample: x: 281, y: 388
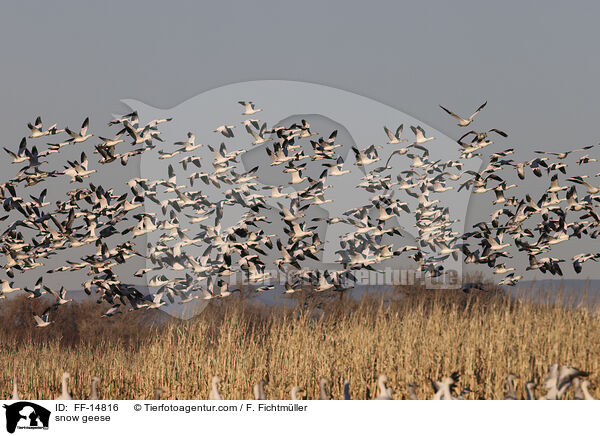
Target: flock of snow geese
x: 91, y: 214
x: 557, y: 382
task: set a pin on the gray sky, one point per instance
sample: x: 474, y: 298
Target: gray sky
x: 536, y: 66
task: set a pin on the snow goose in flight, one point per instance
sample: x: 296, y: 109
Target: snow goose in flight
x: 259, y: 137
x: 554, y: 186
x: 108, y: 142
x: 82, y: 135
x: 65, y: 394
x: 335, y: 169
x: 144, y: 137
x: 462, y: 122
x: 510, y: 280
x: 481, y: 136
x: 214, y: 392
x: 249, y: 108
x: 43, y: 321
x: 366, y: 156
x: 78, y: 170
x: 580, y: 258
x: 420, y: 137
x: 21, y: 155
x: 501, y: 269
x: 131, y: 117
x: 395, y: 138
x: 225, y: 130
x: 60, y: 295
x: 189, y: 145
x: 591, y: 189
x: 586, y: 159
x: 37, y: 132
x: 37, y: 290
x: 563, y: 154
x: 252, y: 122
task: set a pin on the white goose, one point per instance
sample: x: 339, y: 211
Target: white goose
x: 214, y: 392
x: 420, y: 137
x: 43, y: 321
x: 530, y: 390
x: 94, y: 391
x: 37, y: 132
x: 82, y: 135
x: 511, y: 394
x: 324, y: 389
x: 294, y: 393
x: 395, y: 137
x: 462, y: 122
x: 585, y: 389
x: 65, y: 395
x: 385, y: 393
x: 259, y: 390
x: 15, y: 394
x: 249, y: 108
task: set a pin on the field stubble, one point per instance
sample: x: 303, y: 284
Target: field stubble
x: 410, y: 339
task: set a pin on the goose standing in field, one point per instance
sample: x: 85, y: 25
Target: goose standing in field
x: 158, y: 392
x: 585, y: 385
x: 214, y: 391
x: 259, y: 390
x: 578, y: 395
x: 65, y: 394
x: 347, y: 390
x: 294, y: 393
x: 94, y: 391
x: 511, y: 394
x: 324, y: 389
x: 462, y: 122
x: 443, y: 389
x: 15, y: 394
x: 385, y: 393
x: 412, y: 393
x: 559, y: 379
x: 530, y: 390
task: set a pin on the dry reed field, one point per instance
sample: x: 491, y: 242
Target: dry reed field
x: 410, y: 339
